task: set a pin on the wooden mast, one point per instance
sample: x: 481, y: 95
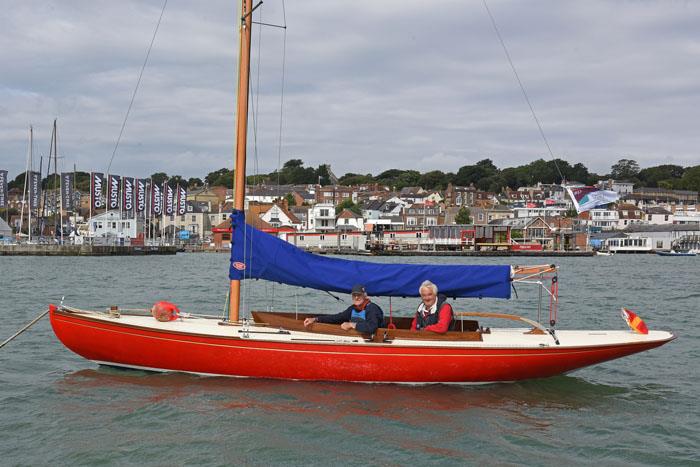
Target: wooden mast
x: 241, y: 134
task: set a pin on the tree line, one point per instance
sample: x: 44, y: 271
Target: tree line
x: 484, y: 175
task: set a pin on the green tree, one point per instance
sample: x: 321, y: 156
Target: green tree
x: 159, y: 177
x: 219, y: 177
x: 290, y: 199
x: 177, y: 179
x: 194, y: 182
x: 624, y: 169
x: 355, y: 179
x: 691, y: 179
x: 571, y: 212
x: 434, y: 180
x: 653, y: 176
x: 463, y: 216
x: 472, y: 174
x: 348, y: 204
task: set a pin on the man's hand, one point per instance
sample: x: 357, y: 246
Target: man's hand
x: 309, y: 321
x: 348, y: 326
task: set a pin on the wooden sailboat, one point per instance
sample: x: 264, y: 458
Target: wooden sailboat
x: 278, y: 345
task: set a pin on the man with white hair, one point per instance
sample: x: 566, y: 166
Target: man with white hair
x: 434, y: 313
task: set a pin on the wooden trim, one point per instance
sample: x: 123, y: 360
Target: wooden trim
x: 289, y: 321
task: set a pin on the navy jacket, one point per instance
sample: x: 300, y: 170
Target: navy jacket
x: 374, y: 317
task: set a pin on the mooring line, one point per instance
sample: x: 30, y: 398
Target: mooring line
x: 25, y: 328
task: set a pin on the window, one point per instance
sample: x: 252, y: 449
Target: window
x: 194, y: 219
x: 392, y: 235
x: 659, y: 244
x: 182, y: 218
x: 419, y: 234
x: 666, y: 218
x: 344, y: 237
x: 322, y: 237
x: 301, y: 237
x: 324, y: 223
x: 324, y: 212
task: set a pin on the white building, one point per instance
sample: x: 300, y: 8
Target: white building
x: 544, y: 212
x: 662, y: 237
x: 110, y: 225
x: 605, y: 219
x: 322, y: 217
x: 658, y: 216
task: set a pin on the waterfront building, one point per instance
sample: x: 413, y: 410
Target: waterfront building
x: 334, y: 194
x: 195, y: 222
x: 349, y: 220
x: 111, y: 228
x: 658, y: 215
x: 662, y: 237
x: 322, y: 217
x: 421, y: 215
x: 644, y: 197
x: 486, y: 215
x: 628, y: 214
x: 621, y: 187
x: 279, y: 216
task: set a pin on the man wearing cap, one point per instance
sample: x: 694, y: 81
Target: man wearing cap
x: 363, y: 315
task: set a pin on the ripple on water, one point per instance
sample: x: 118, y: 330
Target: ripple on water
x: 55, y: 405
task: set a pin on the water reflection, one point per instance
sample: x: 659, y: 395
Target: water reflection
x: 387, y: 400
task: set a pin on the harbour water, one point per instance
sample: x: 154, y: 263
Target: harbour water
x: 57, y: 408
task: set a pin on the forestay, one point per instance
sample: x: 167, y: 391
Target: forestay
x: 258, y: 255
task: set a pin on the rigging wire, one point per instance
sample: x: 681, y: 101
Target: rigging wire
x: 138, y: 83
x: 522, y: 88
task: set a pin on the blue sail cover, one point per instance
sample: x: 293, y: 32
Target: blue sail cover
x: 258, y: 255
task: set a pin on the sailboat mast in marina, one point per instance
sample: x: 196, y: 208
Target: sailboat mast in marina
x: 280, y: 345
x: 241, y: 133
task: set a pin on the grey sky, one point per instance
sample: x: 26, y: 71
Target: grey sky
x: 369, y: 85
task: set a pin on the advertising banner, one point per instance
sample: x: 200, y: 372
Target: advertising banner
x: 3, y: 189
x: 67, y: 190
x: 140, y: 195
x: 128, y: 196
x: 181, y: 200
x: 169, y: 199
x: 34, y: 190
x: 113, y: 191
x: 97, y: 180
x: 156, y: 200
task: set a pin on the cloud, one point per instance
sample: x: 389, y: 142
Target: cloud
x: 368, y: 86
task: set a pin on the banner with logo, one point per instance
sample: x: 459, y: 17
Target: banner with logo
x: 181, y: 200
x: 67, y: 190
x: 128, y: 196
x: 140, y: 195
x: 156, y: 200
x: 3, y: 189
x: 113, y: 191
x: 97, y: 180
x: 34, y: 189
x: 586, y: 198
x: 168, y: 205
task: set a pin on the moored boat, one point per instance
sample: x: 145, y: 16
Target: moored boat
x: 676, y: 253
x: 278, y: 345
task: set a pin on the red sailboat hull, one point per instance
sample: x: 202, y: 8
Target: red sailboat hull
x: 125, y: 345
